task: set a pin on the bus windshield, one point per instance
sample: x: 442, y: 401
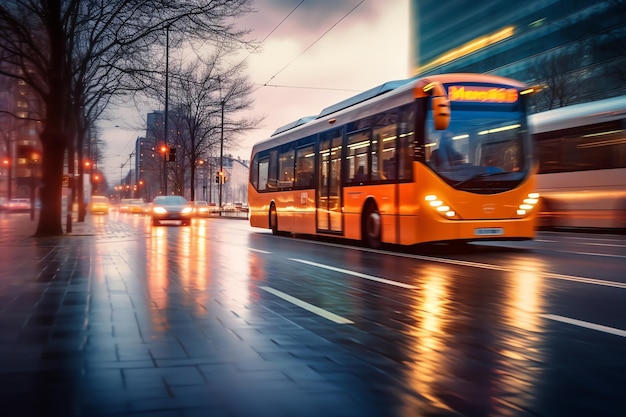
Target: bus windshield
x: 483, y: 150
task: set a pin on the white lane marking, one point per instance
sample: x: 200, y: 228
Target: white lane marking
x: 586, y: 325
x: 357, y: 274
x: 606, y: 255
x: 258, y: 250
x: 609, y: 245
x: 478, y: 265
x: 586, y: 243
x: 584, y: 280
x: 309, y: 307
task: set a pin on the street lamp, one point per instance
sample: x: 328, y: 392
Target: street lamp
x: 34, y: 160
x: 6, y: 163
x: 163, y: 150
x: 221, y: 158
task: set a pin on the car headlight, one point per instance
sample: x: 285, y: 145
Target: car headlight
x: 159, y: 210
x: 187, y: 210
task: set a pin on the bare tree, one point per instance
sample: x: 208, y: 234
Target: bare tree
x: 203, y: 90
x: 560, y: 80
x: 610, y: 45
x: 61, y: 48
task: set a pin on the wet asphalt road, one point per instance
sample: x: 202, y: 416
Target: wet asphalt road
x: 218, y: 319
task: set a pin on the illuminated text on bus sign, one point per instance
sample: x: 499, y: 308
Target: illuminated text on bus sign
x: 482, y: 94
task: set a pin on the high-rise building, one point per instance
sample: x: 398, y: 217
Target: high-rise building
x: 574, y: 49
x: 20, y: 147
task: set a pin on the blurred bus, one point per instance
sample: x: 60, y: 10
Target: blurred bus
x: 582, y: 165
x: 364, y: 168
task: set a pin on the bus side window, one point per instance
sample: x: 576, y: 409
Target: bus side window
x: 304, y: 167
x: 263, y: 172
x: 285, y: 168
x: 385, y: 137
x: 406, y: 144
x: 254, y: 172
x: 272, y: 179
x: 357, y: 156
x: 389, y: 168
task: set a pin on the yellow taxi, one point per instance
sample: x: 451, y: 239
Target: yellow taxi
x: 99, y: 204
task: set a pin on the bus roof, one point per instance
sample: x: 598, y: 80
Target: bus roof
x: 364, y: 96
x: 579, y: 114
x: 403, y: 90
x: 291, y: 125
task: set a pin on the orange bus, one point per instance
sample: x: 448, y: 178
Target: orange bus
x: 441, y: 158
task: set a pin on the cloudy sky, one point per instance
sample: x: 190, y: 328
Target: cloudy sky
x: 323, y: 52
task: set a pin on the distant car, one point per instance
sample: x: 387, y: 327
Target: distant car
x: 16, y: 205
x: 124, y: 206
x: 99, y: 204
x: 135, y: 206
x: 171, y: 208
x: 201, y: 209
x: 146, y: 208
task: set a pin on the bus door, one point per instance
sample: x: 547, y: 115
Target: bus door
x: 329, y: 214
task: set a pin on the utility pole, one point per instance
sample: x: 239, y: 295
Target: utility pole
x: 167, y: 73
x: 221, y: 184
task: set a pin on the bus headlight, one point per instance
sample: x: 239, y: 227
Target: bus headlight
x: 528, y: 204
x: 440, y: 207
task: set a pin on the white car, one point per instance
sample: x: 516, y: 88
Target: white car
x: 18, y: 205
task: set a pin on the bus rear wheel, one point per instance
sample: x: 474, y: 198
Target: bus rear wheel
x: 371, y: 226
x: 274, y: 220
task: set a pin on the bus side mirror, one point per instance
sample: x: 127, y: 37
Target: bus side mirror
x: 440, y: 104
x: 441, y: 112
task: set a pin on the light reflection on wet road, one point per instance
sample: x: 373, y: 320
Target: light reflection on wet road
x: 469, y: 337
x: 191, y: 319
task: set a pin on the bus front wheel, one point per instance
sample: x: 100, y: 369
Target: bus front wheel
x: 371, y: 226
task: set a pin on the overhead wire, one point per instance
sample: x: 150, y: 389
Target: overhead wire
x: 272, y: 31
x: 314, y: 42
x: 308, y: 87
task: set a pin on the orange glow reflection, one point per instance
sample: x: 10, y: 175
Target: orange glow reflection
x: 183, y: 249
x: 192, y: 261
x: 520, y: 345
x: 156, y: 273
x: 236, y: 290
x: 524, y: 299
x: 431, y: 314
x: 446, y: 313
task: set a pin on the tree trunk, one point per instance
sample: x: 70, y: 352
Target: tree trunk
x: 53, y: 146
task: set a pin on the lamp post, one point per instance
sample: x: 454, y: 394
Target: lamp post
x: 6, y: 163
x: 34, y: 160
x: 163, y: 151
x: 166, y: 116
x: 221, y: 158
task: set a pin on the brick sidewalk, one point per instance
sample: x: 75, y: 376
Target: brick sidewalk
x: 104, y: 322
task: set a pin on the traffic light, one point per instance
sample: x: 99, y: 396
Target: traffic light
x: 172, y: 154
x: 220, y: 178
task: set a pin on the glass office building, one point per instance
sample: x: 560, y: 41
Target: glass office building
x: 575, y: 49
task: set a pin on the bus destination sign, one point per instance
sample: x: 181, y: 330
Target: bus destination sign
x: 482, y: 94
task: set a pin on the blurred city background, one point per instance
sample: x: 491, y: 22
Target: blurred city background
x: 197, y: 144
